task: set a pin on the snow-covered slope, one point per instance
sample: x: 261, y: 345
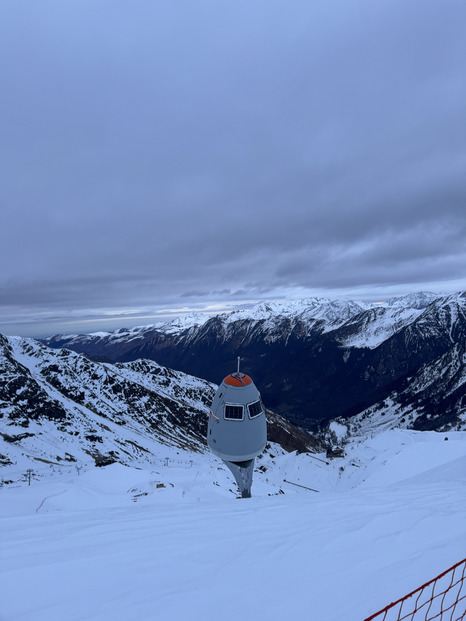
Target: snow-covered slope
x: 432, y: 399
x: 376, y: 325
x: 57, y: 408
x: 170, y: 541
x: 380, y: 322
x: 432, y: 396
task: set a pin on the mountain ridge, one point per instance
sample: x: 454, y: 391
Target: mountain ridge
x: 316, y: 359
x: 57, y: 406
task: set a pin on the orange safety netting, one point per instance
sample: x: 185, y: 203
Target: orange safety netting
x: 440, y: 599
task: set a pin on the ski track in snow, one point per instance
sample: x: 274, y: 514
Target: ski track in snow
x: 111, y: 545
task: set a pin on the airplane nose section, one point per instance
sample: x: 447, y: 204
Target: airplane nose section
x: 237, y: 429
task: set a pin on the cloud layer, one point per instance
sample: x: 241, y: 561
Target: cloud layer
x: 161, y: 156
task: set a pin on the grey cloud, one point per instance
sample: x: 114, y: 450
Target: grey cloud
x: 194, y: 294
x: 215, y: 152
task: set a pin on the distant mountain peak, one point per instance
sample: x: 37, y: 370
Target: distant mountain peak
x: 419, y: 300
x: 184, y: 322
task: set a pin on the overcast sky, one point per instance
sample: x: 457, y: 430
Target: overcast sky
x: 158, y: 156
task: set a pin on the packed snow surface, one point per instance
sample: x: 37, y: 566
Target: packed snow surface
x: 172, y: 541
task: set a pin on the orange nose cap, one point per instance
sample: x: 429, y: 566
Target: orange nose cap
x: 234, y: 380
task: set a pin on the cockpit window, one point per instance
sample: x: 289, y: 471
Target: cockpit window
x: 234, y: 412
x: 255, y: 409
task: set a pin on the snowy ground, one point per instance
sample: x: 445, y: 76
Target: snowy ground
x: 173, y: 542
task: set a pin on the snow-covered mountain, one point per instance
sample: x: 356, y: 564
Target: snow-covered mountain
x: 430, y: 390
x: 317, y: 359
x: 277, y: 321
x: 433, y: 397
x: 159, y: 531
x: 58, y: 407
